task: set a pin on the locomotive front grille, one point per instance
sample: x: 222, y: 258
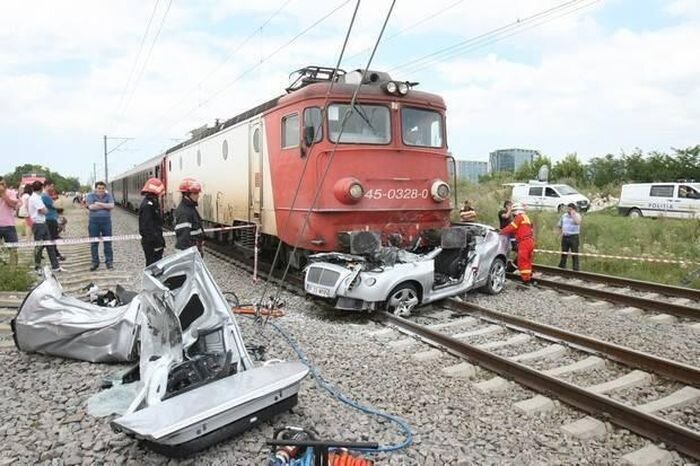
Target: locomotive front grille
x: 323, y: 277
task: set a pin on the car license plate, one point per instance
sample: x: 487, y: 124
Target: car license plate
x: 318, y: 291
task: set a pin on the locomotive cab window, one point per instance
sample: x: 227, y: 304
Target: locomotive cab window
x: 290, y: 131
x: 422, y: 128
x: 366, y: 124
x: 313, y: 130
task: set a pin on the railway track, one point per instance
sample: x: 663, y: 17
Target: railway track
x: 529, y: 354
x: 660, y: 301
x: 525, y: 367
x: 611, y: 280
x: 630, y: 369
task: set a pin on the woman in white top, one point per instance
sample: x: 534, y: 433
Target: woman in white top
x: 24, y: 212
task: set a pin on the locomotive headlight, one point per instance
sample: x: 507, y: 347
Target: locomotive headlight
x: 403, y: 88
x: 391, y: 87
x: 348, y: 190
x: 356, y: 191
x: 439, y: 191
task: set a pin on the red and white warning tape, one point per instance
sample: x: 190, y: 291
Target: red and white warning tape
x: 31, y: 244
x: 629, y: 258
x: 59, y: 242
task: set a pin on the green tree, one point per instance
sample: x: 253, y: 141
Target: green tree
x: 528, y: 171
x: 662, y: 167
x: 636, y: 167
x: 602, y: 171
x: 688, y: 163
x: 569, y: 167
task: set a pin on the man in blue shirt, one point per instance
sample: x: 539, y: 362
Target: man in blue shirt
x: 100, y: 204
x: 51, y: 214
x: 570, y: 228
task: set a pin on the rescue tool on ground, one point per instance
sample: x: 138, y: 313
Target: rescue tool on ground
x: 389, y: 172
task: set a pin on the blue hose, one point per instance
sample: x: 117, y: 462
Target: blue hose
x: 323, y: 383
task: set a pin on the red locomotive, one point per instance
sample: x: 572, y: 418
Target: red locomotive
x: 388, y: 172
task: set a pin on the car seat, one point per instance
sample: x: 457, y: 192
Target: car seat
x: 453, y: 259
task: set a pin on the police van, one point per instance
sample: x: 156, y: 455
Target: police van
x: 545, y: 196
x: 675, y: 200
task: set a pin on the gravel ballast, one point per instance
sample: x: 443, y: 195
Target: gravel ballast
x: 673, y: 341
x: 43, y: 409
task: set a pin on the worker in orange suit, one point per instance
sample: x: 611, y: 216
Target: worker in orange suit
x: 521, y: 228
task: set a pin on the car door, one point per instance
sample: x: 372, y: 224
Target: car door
x: 661, y: 201
x: 551, y: 198
x: 688, y: 201
x: 534, y: 197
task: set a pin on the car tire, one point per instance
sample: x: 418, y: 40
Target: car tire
x: 402, y: 300
x: 634, y: 213
x: 497, y: 277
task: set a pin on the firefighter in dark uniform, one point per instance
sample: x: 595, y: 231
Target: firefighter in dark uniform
x: 188, y: 223
x: 151, y: 221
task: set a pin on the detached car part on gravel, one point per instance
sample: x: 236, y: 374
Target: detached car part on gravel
x: 52, y: 323
x: 196, y: 384
x: 469, y: 256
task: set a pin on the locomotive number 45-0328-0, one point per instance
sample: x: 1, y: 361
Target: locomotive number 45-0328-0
x: 400, y: 193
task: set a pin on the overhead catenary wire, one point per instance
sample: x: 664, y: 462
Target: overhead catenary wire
x: 324, y: 109
x: 223, y: 63
x: 252, y: 68
x: 411, y: 26
x: 447, y: 51
x: 148, y: 56
x: 491, y: 40
x: 138, y: 56
x: 331, y: 157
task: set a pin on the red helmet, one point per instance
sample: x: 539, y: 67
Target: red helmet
x: 190, y: 185
x: 153, y: 186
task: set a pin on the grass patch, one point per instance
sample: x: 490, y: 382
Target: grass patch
x: 15, y: 277
x: 606, y: 232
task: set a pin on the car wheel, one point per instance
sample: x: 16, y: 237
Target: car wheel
x: 635, y: 213
x: 496, y: 278
x: 561, y: 208
x: 402, y: 300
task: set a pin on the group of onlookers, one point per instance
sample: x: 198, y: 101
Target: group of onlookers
x: 39, y: 208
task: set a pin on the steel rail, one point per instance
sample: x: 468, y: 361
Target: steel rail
x: 672, y: 369
x: 642, y: 303
x: 665, y: 307
x: 669, y: 290
x: 675, y: 436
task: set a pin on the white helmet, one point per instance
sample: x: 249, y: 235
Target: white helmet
x: 518, y: 207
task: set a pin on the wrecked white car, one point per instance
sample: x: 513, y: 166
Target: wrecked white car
x: 469, y: 256
x: 195, y: 383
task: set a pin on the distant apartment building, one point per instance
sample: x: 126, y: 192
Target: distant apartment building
x: 471, y: 170
x: 509, y: 160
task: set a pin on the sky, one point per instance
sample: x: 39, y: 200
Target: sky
x: 584, y: 76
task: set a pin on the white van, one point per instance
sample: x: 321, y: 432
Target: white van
x: 545, y: 196
x: 676, y: 200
